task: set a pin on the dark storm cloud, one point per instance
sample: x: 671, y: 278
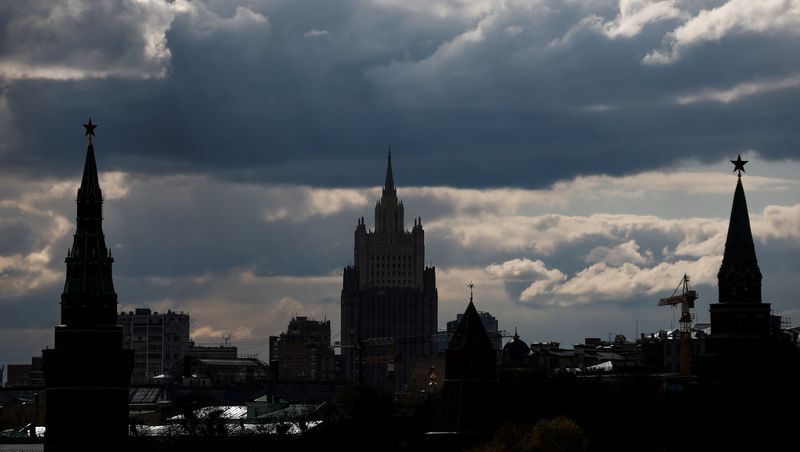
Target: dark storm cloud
x: 312, y: 92
x: 67, y: 40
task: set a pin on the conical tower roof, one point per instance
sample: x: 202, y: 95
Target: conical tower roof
x: 739, y: 276
x: 470, y: 333
x: 89, y: 296
x: 739, y: 249
x: 89, y: 190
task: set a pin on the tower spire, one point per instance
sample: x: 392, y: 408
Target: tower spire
x: 89, y: 296
x: 89, y: 191
x: 388, y: 185
x: 739, y: 276
x: 389, y: 210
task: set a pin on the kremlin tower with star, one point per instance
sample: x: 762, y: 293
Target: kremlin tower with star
x: 87, y: 373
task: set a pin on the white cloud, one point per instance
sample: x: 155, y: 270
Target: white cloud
x: 22, y: 273
x: 635, y: 14
x: 524, y: 270
x: 740, y: 91
x: 582, y: 188
x: 207, y: 332
x: 627, y: 252
x: 115, y: 185
x: 514, y: 30
x: 307, y: 202
x: 631, y: 19
x: 597, y: 108
x: 204, y: 22
x: 600, y: 281
x: 780, y: 222
x: 544, y: 234
x: 542, y: 280
x: 444, y: 8
x: 731, y: 18
x: 314, y: 33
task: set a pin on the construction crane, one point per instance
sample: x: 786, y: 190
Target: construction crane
x: 686, y: 300
x: 390, y: 356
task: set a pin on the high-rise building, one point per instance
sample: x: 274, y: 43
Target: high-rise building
x: 87, y: 372
x: 159, y: 342
x: 389, y: 297
x: 303, y: 352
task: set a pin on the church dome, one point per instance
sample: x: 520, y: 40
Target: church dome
x: 516, y: 350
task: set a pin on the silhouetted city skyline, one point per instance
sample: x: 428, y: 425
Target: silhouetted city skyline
x: 574, y: 161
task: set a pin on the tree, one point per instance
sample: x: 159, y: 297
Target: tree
x: 560, y: 434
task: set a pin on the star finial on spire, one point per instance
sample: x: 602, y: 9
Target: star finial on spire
x: 739, y: 165
x: 471, y: 286
x: 90, y: 129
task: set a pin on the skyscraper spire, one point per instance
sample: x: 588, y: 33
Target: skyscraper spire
x: 389, y: 210
x: 388, y: 185
x: 739, y: 276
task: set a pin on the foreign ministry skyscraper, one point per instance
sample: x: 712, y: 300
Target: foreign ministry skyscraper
x: 389, y: 297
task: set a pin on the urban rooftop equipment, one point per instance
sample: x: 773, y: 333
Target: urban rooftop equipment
x: 686, y: 300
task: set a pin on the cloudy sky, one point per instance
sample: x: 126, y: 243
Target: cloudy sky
x: 569, y: 157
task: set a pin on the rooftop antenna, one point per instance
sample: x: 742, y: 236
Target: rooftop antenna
x: 226, y: 337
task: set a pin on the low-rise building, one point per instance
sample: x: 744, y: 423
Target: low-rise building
x: 23, y: 375
x: 303, y: 352
x: 220, y: 373
x: 219, y: 352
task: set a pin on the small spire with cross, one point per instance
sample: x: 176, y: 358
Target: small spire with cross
x: 739, y: 165
x: 471, y: 286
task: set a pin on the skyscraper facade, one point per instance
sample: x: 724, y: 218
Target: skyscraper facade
x: 389, y: 297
